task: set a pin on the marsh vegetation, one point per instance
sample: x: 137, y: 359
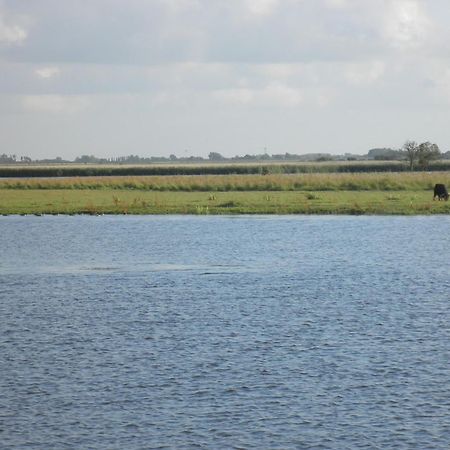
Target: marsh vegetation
x: 319, y: 193
x: 374, y: 181
x: 213, y: 168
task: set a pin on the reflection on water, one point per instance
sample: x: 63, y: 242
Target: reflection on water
x: 217, y: 332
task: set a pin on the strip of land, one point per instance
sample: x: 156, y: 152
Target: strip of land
x: 317, y: 193
x: 121, y: 201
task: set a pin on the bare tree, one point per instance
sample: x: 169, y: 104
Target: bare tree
x: 411, y: 150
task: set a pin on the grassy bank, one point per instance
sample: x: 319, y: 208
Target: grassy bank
x: 118, y: 201
x: 319, y: 193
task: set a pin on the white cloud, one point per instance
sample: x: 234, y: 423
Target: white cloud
x: 11, y: 34
x: 54, y: 103
x: 406, y: 23
x: 47, y: 72
x: 174, y: 31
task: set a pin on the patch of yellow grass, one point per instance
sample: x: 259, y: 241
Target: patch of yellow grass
x: 391, y: 181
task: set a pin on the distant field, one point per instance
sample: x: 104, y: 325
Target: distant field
x: 209, y: 168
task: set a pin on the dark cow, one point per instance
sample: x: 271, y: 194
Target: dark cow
x: 440, y: 191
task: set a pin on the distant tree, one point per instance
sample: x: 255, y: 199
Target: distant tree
x: 325, y: 158
x: 84, y: 159
x: 427, y: 152
x: 7, y: 158
x: 384, y: 154
x: 295, y: 157
x: 214, y: 156
x: 411, y: 152
x: 172, y: 157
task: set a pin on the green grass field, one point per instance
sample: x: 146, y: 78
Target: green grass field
x: 318, y: 193
x: 119, y: 201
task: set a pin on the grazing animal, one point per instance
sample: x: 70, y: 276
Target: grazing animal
x: 440, y: 191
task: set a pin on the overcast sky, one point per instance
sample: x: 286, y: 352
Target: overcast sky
x: 154, y: 77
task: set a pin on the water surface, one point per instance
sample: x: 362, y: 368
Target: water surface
x: 224, y: 332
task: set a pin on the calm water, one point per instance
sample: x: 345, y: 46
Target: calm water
x: 221, y: 333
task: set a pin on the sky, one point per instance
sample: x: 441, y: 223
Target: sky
x: 189, y: 77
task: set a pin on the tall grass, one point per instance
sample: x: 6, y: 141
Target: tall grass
x: 222, y: 183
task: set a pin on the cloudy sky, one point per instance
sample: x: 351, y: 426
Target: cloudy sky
x: 154, y: 77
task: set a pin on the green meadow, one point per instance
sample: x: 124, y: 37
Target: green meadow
x: 315, y: 193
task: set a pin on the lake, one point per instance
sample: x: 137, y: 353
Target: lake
x: 224, y: 332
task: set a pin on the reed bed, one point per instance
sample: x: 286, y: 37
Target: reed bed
x: 207, y: 168
x: 374, y: 181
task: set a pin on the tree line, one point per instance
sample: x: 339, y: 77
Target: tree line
x: 417, y: 155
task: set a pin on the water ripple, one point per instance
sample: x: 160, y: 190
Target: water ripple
x: 286, y: 333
